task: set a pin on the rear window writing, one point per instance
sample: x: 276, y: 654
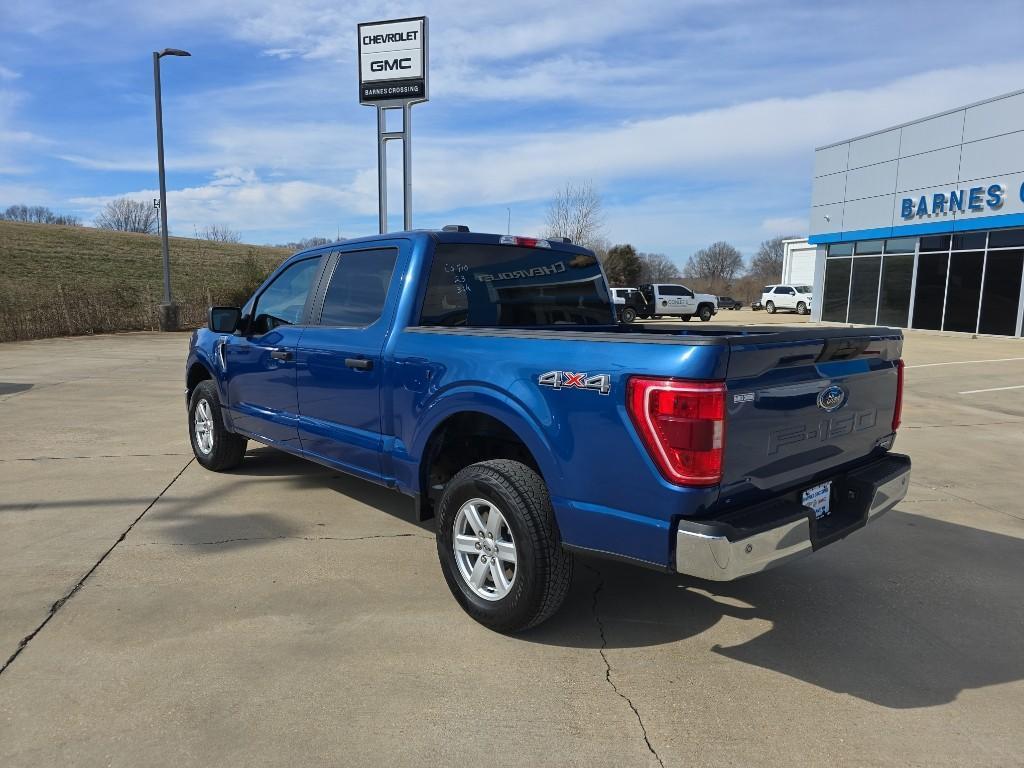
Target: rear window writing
x: 478, y: 285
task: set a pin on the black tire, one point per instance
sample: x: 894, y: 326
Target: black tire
x: 704, y: 313
x: 645, y: 317
x: 628, y: 315
x: 543, y: 569
x: 801, y: 308
x: 770, y: 307
x: 228, y: 449
x: 685, y: 318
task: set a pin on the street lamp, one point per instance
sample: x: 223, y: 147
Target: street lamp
x: 168, y: 310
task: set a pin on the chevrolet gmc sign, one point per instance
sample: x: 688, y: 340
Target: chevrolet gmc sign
x: 393, y: 61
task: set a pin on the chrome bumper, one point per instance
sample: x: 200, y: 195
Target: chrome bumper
x: 723, y: 556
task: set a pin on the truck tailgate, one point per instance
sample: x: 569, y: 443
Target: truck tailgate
x: 799, y: 407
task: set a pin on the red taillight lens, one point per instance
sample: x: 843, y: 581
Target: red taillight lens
x: 897, y: 414
x: 682, y: 423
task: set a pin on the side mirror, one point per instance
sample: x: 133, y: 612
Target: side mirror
x: 225, y: 319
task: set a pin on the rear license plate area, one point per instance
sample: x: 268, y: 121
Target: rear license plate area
x: 819, y: 499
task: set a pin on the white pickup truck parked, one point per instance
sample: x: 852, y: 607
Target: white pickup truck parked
x: 671, y: 300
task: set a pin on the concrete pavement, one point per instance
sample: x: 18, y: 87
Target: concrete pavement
x: 285, y: 613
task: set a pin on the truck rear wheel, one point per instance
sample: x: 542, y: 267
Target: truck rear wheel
x: 499, y: 546
x: 685, y: 318
x: 628, y: 315
x: 214, y: 447
x: 770, y: 307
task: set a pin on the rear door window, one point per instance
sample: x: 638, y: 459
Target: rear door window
x: 359, y: 287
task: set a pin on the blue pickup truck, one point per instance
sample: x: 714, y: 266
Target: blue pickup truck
x: 486, y: 377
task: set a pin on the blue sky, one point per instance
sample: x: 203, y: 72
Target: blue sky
x: 696, y: 120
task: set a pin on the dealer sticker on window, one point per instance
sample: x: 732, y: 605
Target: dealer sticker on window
x: 817, y: 498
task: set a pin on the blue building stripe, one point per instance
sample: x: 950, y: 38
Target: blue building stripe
x: 926, y: 228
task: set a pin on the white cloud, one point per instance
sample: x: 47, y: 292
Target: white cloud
x: 6, y: 73
x: 721, y: 168
x: 239, y: 199
x: 754, y: 140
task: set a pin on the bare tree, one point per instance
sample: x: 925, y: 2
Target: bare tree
x: 715, y: 266
x: 767, y: 264
x: 308, y: 242
x: 657, y: 268
x: 219, y: 234
x: 576, y: 213
x: 38, y: 214
x: 127, y: 215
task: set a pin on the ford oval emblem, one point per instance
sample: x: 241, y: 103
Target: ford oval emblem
x: 831, y: 398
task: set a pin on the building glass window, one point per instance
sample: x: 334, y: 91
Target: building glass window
x: 937, y: 243
x: 869, y: 247
x: 1001, y: 293
x: 969, y: 241
x: 931, y: 288
x: 1008, y: 238
x: 864, y: 290
x: 964, y: 291
x: 894, y: 300
x: 901, y: 245
x: 964, y: 282
x: 837, y: 288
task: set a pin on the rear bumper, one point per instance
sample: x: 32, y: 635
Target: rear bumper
x: 782, y: 530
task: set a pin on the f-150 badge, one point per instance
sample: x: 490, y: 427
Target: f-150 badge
x: 602, y: 382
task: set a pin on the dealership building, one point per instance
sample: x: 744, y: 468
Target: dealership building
x: 922, y: 225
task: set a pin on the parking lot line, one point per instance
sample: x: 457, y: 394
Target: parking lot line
x: 966, y: 362
x: 991, y: 389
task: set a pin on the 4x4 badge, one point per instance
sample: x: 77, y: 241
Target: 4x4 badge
x: 602, y: 382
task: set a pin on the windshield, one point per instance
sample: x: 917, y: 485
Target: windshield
x: 479, y: 285
x: 803, y: 289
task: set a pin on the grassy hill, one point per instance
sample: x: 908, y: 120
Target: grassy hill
x: 59, y: 281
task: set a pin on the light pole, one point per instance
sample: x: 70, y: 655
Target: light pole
x: 168, y: 310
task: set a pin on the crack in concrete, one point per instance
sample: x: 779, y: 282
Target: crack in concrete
x: 98, y: 456
x: 81, y: 582
x: 945, y: 426
x: 278, y: 538
x: 608, y: 667
x: 945, y: 489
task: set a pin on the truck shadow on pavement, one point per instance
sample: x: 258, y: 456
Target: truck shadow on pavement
x: 907, y: 614
x: 190, y: 520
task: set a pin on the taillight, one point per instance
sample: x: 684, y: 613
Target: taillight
x: 897, y: 414
x: 682, y: 423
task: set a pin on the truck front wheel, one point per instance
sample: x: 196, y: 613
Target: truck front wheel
x: 499, y: 546
x: 214, y: 447
x: 705, y: 313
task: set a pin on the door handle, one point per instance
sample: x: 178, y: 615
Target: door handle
x: 281, y: 354
x: 359, y: 363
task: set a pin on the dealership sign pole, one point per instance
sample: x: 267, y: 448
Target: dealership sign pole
x: 393, y: 75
